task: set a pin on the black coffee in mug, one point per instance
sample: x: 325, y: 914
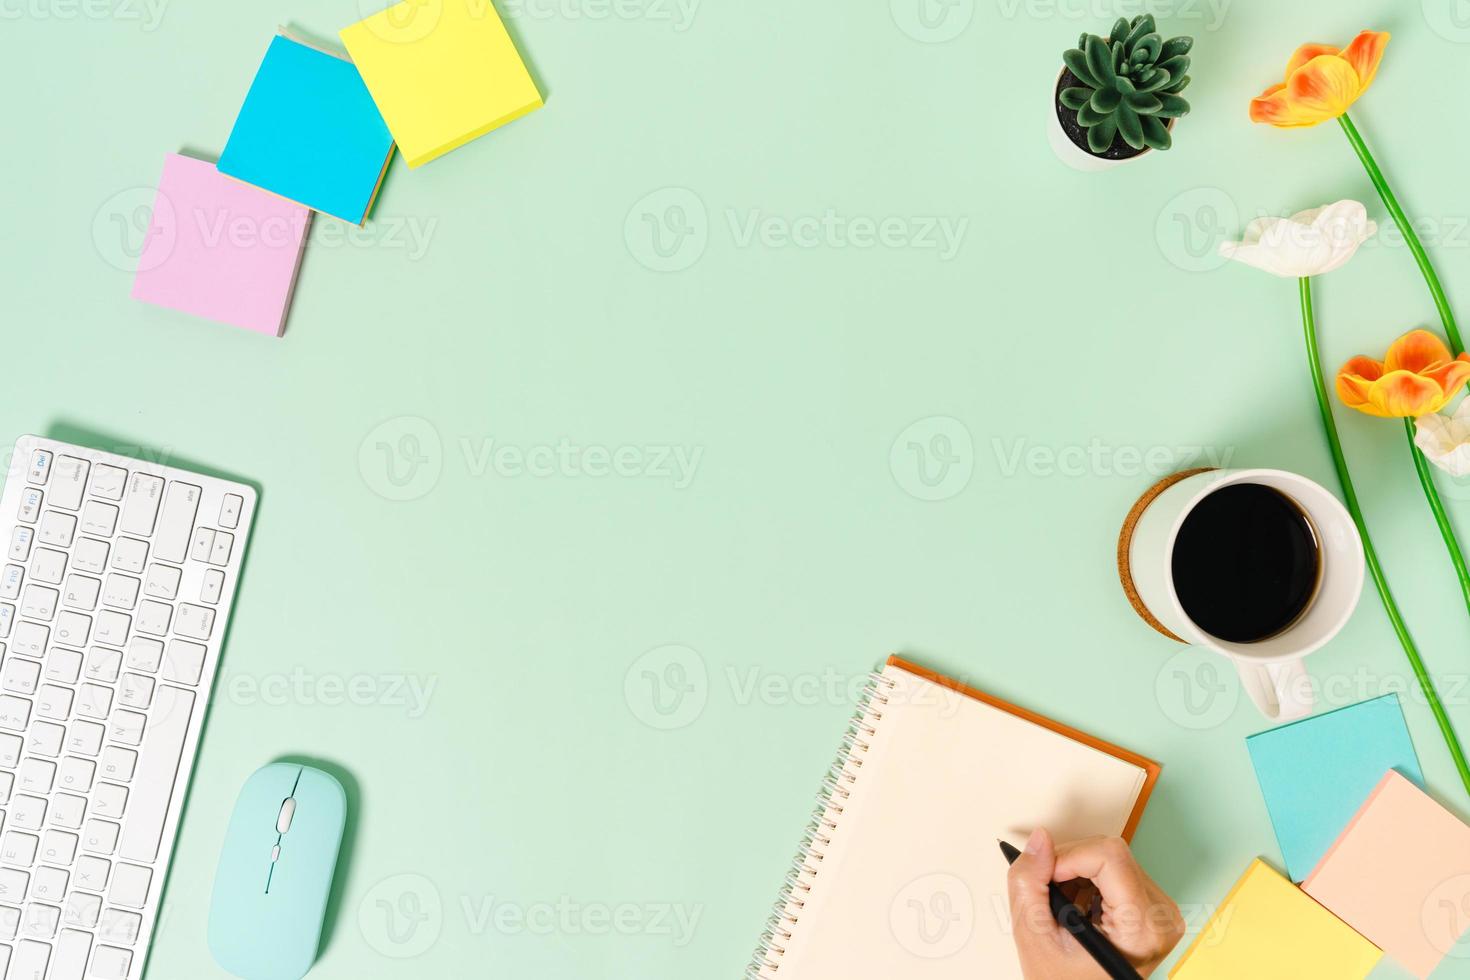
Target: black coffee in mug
x: 1246, y: 563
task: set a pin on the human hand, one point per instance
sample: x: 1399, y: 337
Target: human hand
x: 1136, y: 916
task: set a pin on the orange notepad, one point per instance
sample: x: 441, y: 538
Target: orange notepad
x: 901, y: 876
x: 1400, y: 875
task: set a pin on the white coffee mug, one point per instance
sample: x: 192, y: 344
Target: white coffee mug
x: 1271, y: 670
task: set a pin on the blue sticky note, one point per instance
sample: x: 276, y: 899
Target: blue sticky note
x: 1317, y: 772
x: 309, y: 131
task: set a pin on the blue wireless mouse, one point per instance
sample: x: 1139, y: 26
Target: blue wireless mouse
x: 275, y: 872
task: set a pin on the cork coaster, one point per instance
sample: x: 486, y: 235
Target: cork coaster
x: 1125, y: 542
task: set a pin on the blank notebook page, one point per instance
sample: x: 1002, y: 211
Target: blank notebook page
x: 913, y: 884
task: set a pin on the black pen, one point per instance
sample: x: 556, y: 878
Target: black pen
x: 1075, y: 921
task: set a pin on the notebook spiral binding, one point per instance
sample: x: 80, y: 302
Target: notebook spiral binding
x: 766, y: 963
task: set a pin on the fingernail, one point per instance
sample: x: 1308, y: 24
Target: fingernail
x: 1033, y: 844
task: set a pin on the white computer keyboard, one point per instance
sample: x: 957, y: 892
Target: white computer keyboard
x: 115, y: 588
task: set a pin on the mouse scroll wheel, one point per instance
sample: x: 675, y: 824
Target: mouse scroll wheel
x: 288, y: 810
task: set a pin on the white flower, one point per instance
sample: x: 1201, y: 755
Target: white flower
x: 1306, y: 244
x: 1445, y: 439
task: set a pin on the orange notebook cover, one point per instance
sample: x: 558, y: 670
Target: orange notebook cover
x: 899, y: 875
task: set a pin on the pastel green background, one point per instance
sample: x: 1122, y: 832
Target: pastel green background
x: 1082, y: 337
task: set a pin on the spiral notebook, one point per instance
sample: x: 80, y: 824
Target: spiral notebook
x: 899, y: 874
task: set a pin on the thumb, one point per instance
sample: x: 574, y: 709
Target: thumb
x: 1029, y: 878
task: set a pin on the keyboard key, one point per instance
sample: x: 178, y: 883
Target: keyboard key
x: 129, y: 886
x: 31, y: 500
x: 44, y: 738
x: 56, y: 529
x: 140, y: 504
x: 109, y: 801
x: 36, y: 775
x: 121, y: 591
x: 110, y: 963
x: 11, y: 747
x: 39, y: 602
x: 135, y: 691
x: 7, y: 783
x: 7, y: 617
x: 13, y: 884
x: 82, y: 591
x: 203, y: 544
x: 127, y: 727
x: 118, y: 926
x: 15, y: 713
x: 213, y: 586
x: 20, y: 543
x: 10, y: 580
x: 95, y: 701
x: 29, y: 961
x: 229, y: 510
x: 154, y: 781
x: 69, y: 482
x: 19, y: 849
x: 68, y: 811
x: 49, y: 884
x: 49, y: 566
x: 85, y: 738
x: 130, y: 555
x: 9, y: 922
x: 219, y: 554
x: 195, y: 621
x: 62, y: 665
x: 153, y: 617
x: 143, y: 654
x: 119, y: 763
x: 112, y: 627
x: 39, y: 921
x: 163, y: 581
x: 58, y: 847
x: 184, y: 662
x: 27, y: 812
x: 73, y: 629
x: 30, y: 639
x: 103, y: 664
x: 108, y: 481
x: 99, y: 519
x: 90, y: 555
x: 92, y: 872
x: 100, y: 837
x: 54, y: 702
x: 19, y: 676
x: 83, y: 910
x: 75, y: 774
x: 72, y: 948
x: 176, y: 521
x: 40, y: 467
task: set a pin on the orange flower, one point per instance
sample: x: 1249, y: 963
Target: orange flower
x: 1321, y: 82
x: 1418, y: 376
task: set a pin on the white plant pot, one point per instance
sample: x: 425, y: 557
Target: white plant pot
x: 1070, y: 153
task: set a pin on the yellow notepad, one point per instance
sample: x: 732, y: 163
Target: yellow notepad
x: 442, y: 73
x: 1269, y: 929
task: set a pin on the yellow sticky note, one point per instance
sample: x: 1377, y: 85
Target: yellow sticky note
x: 442, y: 72
x: 1269, y: 929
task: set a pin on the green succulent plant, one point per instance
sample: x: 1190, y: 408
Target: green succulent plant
x: 1130, y: 84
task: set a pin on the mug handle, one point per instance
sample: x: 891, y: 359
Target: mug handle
x: 1282, y: 692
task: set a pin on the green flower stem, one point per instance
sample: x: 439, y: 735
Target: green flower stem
x: 1380, y: 581
x: 1446, y: 316
x: 1446, y: 529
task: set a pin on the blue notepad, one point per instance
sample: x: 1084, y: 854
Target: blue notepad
x: 1316, y: 773
x: 309, y: 131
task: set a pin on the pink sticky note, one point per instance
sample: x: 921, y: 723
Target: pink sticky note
x: 220, y: 249
x: 1400, y: 875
